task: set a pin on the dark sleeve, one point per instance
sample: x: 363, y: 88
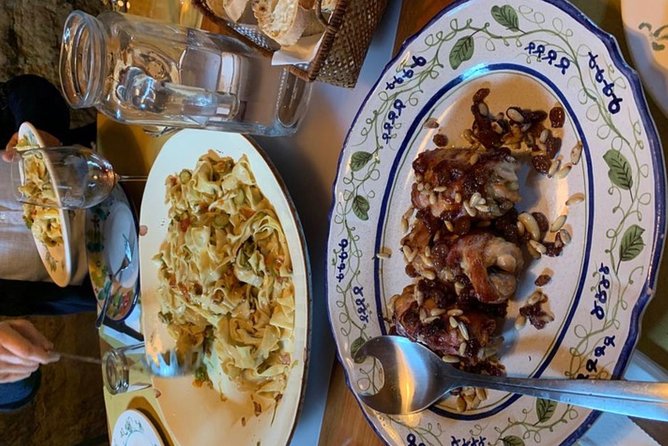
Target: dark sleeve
x: 34, y: 99
x: 19, y: 298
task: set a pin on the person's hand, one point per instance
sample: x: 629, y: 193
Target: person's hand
x: 22, y: 349
x: 48, y: 138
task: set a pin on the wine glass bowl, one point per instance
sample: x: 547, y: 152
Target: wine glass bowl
x: 72, y: 177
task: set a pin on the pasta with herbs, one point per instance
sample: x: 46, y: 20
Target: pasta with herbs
x: 43, y: 222
x: 226, y: 276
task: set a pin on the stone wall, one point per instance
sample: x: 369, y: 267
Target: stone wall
x: 30, y: 32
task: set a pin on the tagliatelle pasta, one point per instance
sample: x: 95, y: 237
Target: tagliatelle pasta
x: 226, y: 276
x: 43, y: 222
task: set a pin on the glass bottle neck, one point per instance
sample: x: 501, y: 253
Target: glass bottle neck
x: 82, y: 60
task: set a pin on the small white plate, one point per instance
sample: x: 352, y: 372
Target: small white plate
x: 60, y: 260
x: 133, y: 428
x: 646, y: 30
x: 106, y: 225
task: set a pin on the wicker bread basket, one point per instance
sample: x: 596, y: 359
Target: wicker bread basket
x: 344, y: 45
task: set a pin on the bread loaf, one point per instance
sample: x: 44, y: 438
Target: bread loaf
x: 235, y: 10
x: 285, y: 21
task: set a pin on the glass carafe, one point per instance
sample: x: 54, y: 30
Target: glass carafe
x: 139, y: 71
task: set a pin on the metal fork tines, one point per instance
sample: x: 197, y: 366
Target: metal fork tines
x: 174, y: 362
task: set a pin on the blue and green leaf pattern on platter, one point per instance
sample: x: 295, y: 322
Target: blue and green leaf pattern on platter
x: 534, y: 54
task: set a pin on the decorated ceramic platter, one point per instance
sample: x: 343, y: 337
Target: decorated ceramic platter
x: 61, y: 258
x: 646, y: 30
x: 133, y: 428
x: 108, y: 226
x: 200, y: 414
x: 500, y: 198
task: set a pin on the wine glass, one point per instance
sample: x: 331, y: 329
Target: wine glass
x: 71, y: 177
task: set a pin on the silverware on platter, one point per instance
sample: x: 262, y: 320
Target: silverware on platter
x: 415, y: 378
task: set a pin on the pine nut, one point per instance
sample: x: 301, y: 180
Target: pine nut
x: 544, y: 135
x: 463, y: 330
x: 462, y: 349
x: 520, y: 228
x: 453, y: 322
x: 475, y: 198
x: 538, y: 246
x: 450, y: 359
x: 563, y: 172
x: 469, y: 210
x: 565, y: 236
x: 437, y: 311
x: 515, y: 115
x: 558, y: 223
x: 520, y: 322
x: 554, y: 166
x: 575, y: 198
x: 576, y: 153
x: 530, y: 224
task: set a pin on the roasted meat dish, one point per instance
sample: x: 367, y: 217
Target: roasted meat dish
x: 466, y: 246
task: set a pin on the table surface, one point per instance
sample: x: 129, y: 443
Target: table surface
x: 343, y: 422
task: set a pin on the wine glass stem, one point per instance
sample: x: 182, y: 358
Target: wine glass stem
x: 125, y: 178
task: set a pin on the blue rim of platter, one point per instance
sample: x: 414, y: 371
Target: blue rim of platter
x: 658, y: 167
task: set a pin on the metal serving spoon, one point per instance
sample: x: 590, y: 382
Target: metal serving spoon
x: 416, y: 378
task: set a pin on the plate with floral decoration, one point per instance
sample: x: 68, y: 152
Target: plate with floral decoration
x: 600, y: 190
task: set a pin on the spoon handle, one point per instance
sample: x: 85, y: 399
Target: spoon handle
x: 633, y: 398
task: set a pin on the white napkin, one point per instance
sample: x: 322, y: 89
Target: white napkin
x: 303, y: 52
x: 619, y: 430
x: 116, y: 338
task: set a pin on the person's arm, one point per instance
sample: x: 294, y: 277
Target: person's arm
x: 22, y: 349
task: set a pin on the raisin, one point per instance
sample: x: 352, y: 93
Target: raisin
x: 541, y: 219
x: 542, y: 280
x: 541, y: 163
x: 480, y: 95
x: 440, y: 140
x: 553, y: 144
x: 557, y: 117
x: 536, y: 116
x: 431, y: 123
x: 553, y: 249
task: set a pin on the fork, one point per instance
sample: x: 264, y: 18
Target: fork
x: 415, y: 378
x: 174, y: 362
x: 127, y: 260
x: 168, y: 364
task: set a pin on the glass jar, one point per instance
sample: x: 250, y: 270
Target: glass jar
x: 123, y: 369
x: 139, y: 71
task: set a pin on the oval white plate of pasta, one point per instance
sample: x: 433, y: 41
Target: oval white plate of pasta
x: 223, y: 264
x: 51, y: 228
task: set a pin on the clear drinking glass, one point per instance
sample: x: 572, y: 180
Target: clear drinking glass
x: 123, y: 369
x: 140, y: 71
x: 62, y: 177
